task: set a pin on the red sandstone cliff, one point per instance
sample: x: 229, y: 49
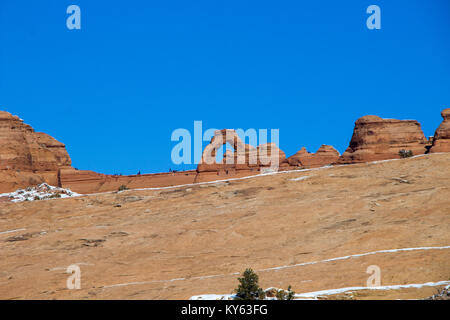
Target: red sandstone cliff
x: 21, y: 148
x: 28, y: 157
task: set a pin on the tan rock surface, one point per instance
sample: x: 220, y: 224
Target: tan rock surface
x: 85, y: 181
x: 160, y: 244
x: 441, y: 139
x: 375, y: 138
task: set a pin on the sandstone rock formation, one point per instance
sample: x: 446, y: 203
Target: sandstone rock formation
x: 244, y: 159
x: 269, y: 155
x: 28, y: 158
x: 441, y: 139
x: 324, y: 156
x: 34, y: 156
x: 21, y: 148
x: 375, y: 138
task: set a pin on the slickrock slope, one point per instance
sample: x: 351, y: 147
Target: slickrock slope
x: 27, y: 157
x: 184, y: 241
x: 375, y: 138
x: 324, y: 156
x: 441, y: 139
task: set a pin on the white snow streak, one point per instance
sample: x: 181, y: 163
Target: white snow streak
x: 329, y: 292
x: 282, y: 267
x: 354, y: 255
x: 392, y: 287
x: 11, y: 231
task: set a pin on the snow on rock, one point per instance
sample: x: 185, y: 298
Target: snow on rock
x: 329, y: 292
x: 213, y: 297
x: 39, y: 192
x: 270, y: 295
x: 300, y: 178
x: 316, y: 294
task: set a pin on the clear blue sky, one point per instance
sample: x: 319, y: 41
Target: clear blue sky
x: 115, y: 90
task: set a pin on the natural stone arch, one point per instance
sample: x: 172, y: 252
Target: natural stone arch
x: 243, y: 157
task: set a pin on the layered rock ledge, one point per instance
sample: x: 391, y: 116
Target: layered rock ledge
x: 441, y: 139
x: 375, y: 138
x: 28, y: 157
x: 325, y: 155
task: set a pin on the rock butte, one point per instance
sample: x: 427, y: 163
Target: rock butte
x: 441, y: 139
x: 375, y: 138
x: 29, y: 158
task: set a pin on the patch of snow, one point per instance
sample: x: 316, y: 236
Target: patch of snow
x: 40, y: 192
x: 352, y: 256
x: 389, y: 160
x: 213, y: 297
x: 329, y: 292
x: 11, y: 231
x: 265, y: 170
x: 315, y: 294
x: 300, y: 178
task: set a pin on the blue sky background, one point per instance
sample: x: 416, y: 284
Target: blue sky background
x: 115, y: 90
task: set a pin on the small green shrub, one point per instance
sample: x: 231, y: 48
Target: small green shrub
x: 123, y: 187
x: 285, y: 295
x: 248, y: 288
x: 405, y: 153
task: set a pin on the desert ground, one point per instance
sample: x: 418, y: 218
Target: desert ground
x: 317, y: 229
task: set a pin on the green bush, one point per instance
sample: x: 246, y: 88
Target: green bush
x: 248, y: 288
x: 123, y: 187
x: 405, y: 153
x: 285, y: 295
